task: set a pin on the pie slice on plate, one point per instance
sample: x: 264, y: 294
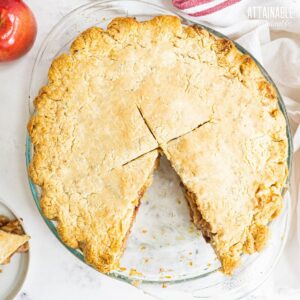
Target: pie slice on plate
x: 9, y: 244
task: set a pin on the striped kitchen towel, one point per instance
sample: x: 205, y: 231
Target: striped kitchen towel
x: 198, y: 8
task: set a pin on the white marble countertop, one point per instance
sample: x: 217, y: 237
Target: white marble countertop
x: 54, y: 273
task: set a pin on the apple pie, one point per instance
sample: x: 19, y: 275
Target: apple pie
x: 12, y: 239
x: 124, y: 94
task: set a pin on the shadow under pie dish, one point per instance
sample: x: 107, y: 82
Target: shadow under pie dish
x: 212, y: 113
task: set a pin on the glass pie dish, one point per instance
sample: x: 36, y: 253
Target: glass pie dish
x: 164, y: 248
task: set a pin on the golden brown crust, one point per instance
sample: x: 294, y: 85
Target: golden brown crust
x: 236, y: 185
x: 9, y: 244
x: 103, y: 108
x: 247, y: 135
x: 97, y: 219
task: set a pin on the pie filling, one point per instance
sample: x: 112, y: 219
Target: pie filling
x: 256, y: 234
x: 140, y: 196
x: 196, y: 215
x: 231, y: 259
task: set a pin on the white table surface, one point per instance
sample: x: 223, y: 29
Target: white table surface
x: 54, y: 273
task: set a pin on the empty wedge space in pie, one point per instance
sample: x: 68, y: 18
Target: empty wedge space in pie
x: 124, y: 94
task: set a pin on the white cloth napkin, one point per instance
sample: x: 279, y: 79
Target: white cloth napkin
x: 275, y: 41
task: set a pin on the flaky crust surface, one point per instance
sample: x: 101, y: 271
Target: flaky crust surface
x: 235, y: 165
x: 10, y: 243
x: 96, y: 214
x: 123, y: 92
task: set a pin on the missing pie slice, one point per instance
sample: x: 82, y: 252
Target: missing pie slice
x: 9, y: 244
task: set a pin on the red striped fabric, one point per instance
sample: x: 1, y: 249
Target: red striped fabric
x: 184, y: 4
x: 202, y: 7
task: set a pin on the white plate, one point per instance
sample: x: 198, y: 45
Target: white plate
x: 14, y: 274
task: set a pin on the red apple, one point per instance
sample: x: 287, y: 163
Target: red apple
x: 17, y: 29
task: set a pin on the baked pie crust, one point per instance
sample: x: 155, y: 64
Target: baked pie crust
x: 12, y: 239
x: 233, y: 183
x: 119, y: 94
